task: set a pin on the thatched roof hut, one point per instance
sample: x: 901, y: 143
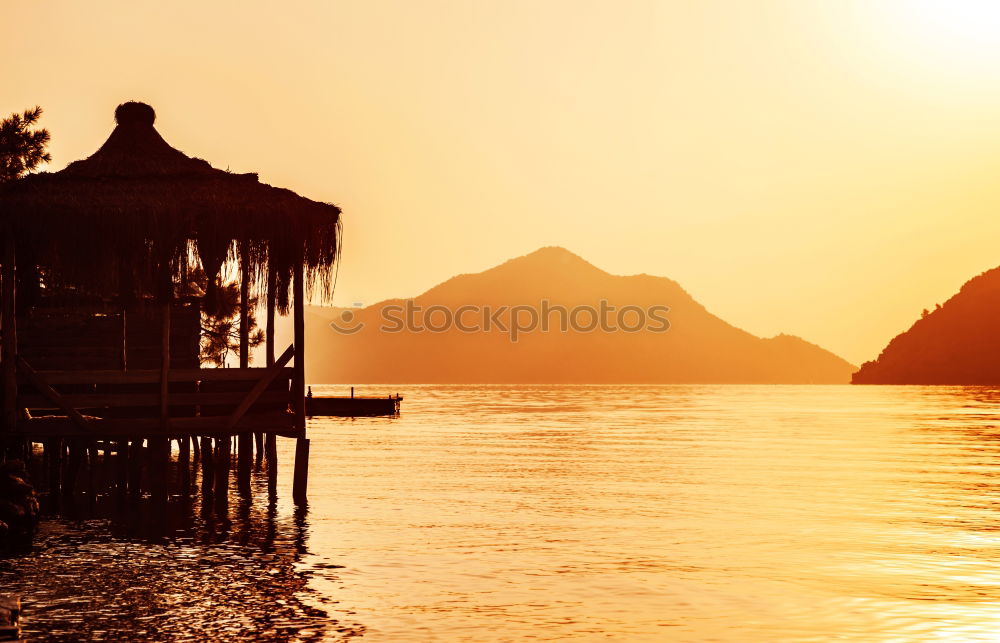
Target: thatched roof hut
x: 115, y: 222
x: 87, y: 247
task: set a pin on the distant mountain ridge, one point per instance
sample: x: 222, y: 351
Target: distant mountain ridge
x: 698, y: 347
x: 956, y: 343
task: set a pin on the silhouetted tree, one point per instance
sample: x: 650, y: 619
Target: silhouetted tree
x: 21, y: 148
x: 220, y: 323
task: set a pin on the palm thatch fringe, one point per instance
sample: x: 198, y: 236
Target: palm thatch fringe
x: 111, y: 223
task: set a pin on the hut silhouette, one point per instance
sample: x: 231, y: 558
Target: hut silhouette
x: 97, y: 344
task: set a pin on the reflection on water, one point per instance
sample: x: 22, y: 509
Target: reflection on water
x: 687, y: 513
x: 111, y: 569
x: 681, y: 513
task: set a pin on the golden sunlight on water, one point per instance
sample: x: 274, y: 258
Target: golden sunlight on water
x: 676, y: 513
x: 685, y: 513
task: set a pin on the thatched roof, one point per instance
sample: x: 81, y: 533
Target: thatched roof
x: 137, y: 202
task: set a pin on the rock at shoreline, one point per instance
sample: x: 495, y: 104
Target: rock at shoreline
x: 18, y: 506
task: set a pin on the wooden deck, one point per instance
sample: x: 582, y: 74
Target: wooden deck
x: 64, y: 402
x: 202, y: 401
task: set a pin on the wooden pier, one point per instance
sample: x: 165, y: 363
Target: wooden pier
x: 134, y: 414
x: 102, y: 353
x: 360, y: 406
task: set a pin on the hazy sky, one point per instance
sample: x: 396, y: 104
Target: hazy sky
x: 826, y: 169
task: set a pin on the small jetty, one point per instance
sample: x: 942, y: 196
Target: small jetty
x: 353, y: 406
x: 110, y: 268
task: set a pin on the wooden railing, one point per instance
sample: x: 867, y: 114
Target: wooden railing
x: 202, y: 401
x: 153, y: 376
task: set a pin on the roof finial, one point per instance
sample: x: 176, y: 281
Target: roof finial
x: 136, y: 114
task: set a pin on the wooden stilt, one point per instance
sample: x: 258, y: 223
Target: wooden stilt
x: 157, y: 456
x: 272, y: 285
x: 54, y: 456
x: 121, y: 465
x: 301, y: 470
x: 184, y: 463
x: 74, y: 462
x: 222, y: 463
x: 165, y: 309
x: 299, y: 323
x: 197, y: 449
x: 301, y: 473
x: 271, y: 450
x: 244, y: 311
x: 245, y: 462
x: 124, y: 355
x: 272, y: 296
x: 136, y: 461
x: 158, y: 448
x: 92, y: 466
x: 207, y: 466
x: 7, y: 318
x: 244, y: 440
x: 46, y: 453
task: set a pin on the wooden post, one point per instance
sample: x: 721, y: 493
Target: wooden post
x: 9, y: 333
x: 124, y: 339
x: 301, y: 471
x: 272, y: 284
x: 158, y: 448
x: 158, y: 452
x: 271, y: 450
x: 92, y: 458
x: 165, y: 358
x: 270, y: 445
x: 299, y: 379
x: 121, y: 464
x: 244, y: 462
x: 207, y: 466
x: 224, y: 448
x: 117, y: 466
x: 74, y: 462
x: 184, y: 462
x: 245, y: 440
x: 244, y: 311
x: 258, y: 449
x: 301, y: 474
x: 54, y: 454
x: 136, y: 462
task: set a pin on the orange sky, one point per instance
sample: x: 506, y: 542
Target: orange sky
x: 826, y: 169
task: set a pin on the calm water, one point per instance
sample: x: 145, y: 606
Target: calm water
x: 678, y: 513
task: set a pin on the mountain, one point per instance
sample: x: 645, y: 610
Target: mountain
x: 957, y: 343
x: 698, y: 347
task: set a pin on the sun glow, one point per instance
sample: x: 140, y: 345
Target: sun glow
x: 960, y: 35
